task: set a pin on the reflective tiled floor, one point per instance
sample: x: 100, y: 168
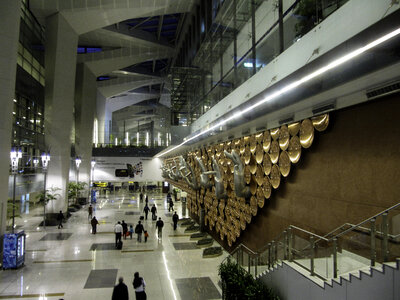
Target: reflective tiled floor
x: 72, y: 263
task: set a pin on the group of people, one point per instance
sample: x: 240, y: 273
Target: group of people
x: 153, y: 211
x: 120, y: 291
x: 121, y: 230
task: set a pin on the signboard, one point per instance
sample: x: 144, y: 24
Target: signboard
x: 127, y: 169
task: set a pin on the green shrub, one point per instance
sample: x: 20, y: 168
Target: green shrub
x: 237, y: 284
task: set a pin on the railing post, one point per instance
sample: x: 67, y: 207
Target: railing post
x: 276, y: 251
x: 248, y: 262
x: 273, y: 253
x: 385, y: 230
x: 373, y: 242
x: 256, y: 259
x: 335, y: 258
x: 290, y: 244
x: 285, y: 245
x: 312, y: 256
x: 269, y: 256
x: 241, y: 257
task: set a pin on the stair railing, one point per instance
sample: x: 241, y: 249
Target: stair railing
x: 305, y: 248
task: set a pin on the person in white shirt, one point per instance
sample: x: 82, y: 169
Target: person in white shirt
x: 118, y: 233
x: 139, y: 284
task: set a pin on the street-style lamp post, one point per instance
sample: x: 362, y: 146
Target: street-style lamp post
x: 15, y: 156
x: 45, y: 163
x: 93, y: 163
x: 77, y: 162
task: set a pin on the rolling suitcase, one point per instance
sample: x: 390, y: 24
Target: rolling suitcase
x: 141, y: 218
x: 154, y: 217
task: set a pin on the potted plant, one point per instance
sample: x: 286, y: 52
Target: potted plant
x: 74, y: 190
x: 45, y: 197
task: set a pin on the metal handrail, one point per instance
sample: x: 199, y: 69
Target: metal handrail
x: 309, y: 233
x: 365, y: 221
x: 245, y: 247
x: 323, y: 238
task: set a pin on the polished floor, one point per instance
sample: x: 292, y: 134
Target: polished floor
x: 72, y: 263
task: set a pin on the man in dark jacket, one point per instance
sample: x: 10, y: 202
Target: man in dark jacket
x: 159, y: 226
x: 124, y: 229
x: 175, y: 219
x: 146, y: 211
x: 60, y: 218
x: 139, y: 230
x: 153, y: 212
x: 120, y: 291
x: 94, y: 223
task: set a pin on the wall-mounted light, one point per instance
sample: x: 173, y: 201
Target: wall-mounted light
x: 35, y: 162
x: 78, y: 161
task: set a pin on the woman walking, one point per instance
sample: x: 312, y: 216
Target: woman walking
x: 139, y: 284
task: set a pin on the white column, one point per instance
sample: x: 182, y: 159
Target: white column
x: 9, y: 33
x: 85, y: 103
x: 60, y: 59
x: 101, y: 117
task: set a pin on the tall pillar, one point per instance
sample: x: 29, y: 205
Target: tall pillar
x: 101, y: 117
x: 10, y: 11
x: 60, y: 58
x: 85, y: 102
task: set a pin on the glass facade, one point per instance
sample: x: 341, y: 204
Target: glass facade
x: 243, y: 37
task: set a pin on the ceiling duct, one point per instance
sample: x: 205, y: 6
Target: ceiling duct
x: 387, y: 89
x: 325, y: 107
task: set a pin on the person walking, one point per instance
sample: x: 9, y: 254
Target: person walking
x: 171, y: 205
x: 146, y: 211
x: 159, y: 226
x: 124, y: 229
x: 169, y: 197
x: 120, y: 291
x: 154, y: 212
x: 139, y: 230
x: 131, y: 230
x: 146, y: 235
x: 147, y: 200
x: 94, y: 223
x: 90, y: 212
x: 141, y: 197
x: 60, y: 218
x: 175, y: 219
x: 118, y: 232
x: 139, y: 285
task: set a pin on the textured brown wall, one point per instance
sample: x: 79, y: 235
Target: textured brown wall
x: 351, y: 172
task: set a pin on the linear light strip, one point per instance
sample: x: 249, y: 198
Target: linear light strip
x: 293, y: 85
x: 168, y: 275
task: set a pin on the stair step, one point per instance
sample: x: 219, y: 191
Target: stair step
x: 391, y: 264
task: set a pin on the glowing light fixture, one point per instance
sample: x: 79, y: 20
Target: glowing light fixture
x: 293, y: 85
x: 127, y: 138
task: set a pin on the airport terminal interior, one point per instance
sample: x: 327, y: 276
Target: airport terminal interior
x: 270, y: 127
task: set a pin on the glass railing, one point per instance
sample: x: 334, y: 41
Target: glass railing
x: 346, y: 249
x: 232, y: 52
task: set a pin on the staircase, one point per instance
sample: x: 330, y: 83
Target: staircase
x: 351, y: 262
